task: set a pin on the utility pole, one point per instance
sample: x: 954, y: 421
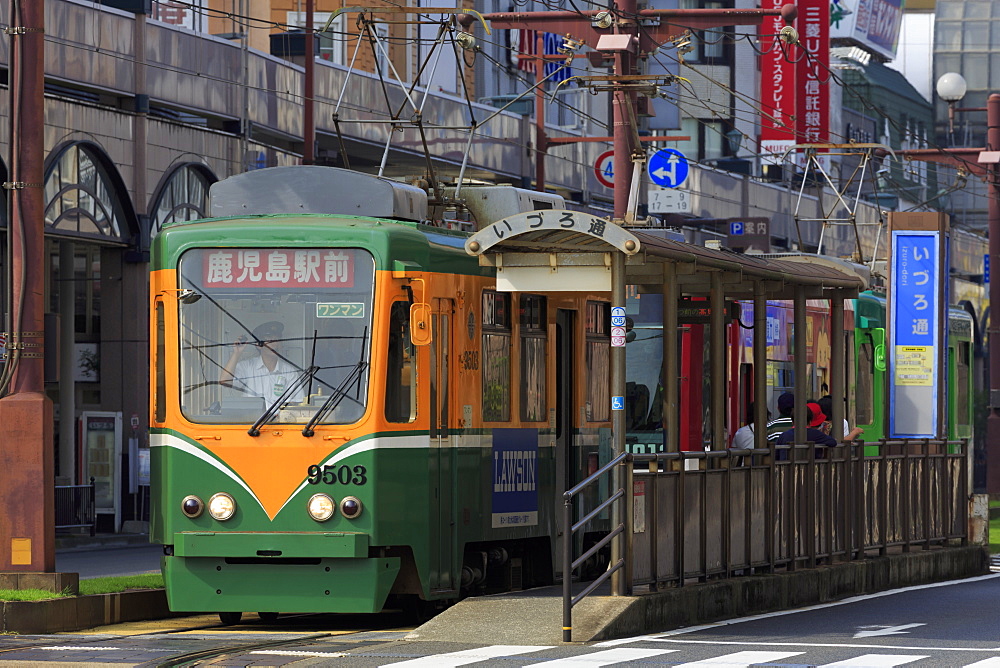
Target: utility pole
x: 984, y: 162
x: 308, y: 121
x: 27, y: 536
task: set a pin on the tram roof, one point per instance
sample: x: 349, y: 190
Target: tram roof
x: 647, y: 252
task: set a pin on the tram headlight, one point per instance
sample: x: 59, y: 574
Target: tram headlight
x: 321, y: 507
x: 221, y: 506
x: 192, y: 506
x: 350, y: 507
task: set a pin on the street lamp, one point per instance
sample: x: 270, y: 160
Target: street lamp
x: 951, y: 88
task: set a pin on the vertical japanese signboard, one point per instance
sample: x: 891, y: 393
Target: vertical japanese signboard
x: 915, y: 314
x: 812, y: 104
x: 777, y: 91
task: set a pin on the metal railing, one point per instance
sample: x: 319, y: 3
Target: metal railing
x: 719, y: 514
x: 570, y: 564
x: 75, y: 508
x: 800, y: 506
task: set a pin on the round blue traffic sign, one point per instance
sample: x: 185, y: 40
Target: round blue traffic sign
x: 668, y: 168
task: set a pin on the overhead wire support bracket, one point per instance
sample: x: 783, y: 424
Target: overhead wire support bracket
x: 865, y: 153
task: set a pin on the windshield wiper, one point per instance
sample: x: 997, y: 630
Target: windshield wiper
x: 338, y: 395
x: 300, y: 381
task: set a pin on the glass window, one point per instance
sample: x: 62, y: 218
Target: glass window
x: 275, y: 327
x: 864, y: 402
x: 496, y: 356
x: 533, y: 348
x: 974, y: 72
x: 977, y: 36
x: 401, y: 361
x: 184, y: 197
x: 949, y: 36
x: 962, y: 368
x: 978, y: 9
x: 81, y: 197
x: 949, y: 9
x: 598, y: 361
x: 159, y: 399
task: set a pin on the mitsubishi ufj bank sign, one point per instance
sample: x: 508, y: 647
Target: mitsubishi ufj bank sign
x: 915, y: 317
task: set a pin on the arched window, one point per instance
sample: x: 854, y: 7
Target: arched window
x: 183, y: 195
x: 84, y: 196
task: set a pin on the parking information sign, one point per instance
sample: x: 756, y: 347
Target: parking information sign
x: 668, y: 168
x: 915, y: 319
x: 617, y: 326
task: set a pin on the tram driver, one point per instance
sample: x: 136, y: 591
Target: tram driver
x: 266, y: 375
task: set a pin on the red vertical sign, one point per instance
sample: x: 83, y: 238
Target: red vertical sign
x: 812, y: 105
x: 777, y: 90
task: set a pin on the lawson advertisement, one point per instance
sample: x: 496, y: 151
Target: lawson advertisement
x: 515, y: 478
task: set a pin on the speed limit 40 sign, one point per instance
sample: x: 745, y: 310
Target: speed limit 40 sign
x: 604, y: 169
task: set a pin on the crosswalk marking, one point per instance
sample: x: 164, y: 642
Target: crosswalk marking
x: 875, y: 661
x: 740, y: 659
x: 992, y: 662
x: 604, y: 658
x: 468, y: 656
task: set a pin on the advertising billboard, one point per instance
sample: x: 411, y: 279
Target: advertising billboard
x: 871, y: 24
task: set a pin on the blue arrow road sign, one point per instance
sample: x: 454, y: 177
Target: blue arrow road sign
x: 668, y: 168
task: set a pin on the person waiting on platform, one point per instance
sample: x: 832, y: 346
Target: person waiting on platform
x: 265, y: 375
x: 743, y: 438
x: 814, y: 433
x: 826, y: 405
x: 786, y: 404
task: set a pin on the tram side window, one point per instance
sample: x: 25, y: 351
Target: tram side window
x: 962, y: 383
x: 598, y: 361
x: 160, y: 398
x: 401, y: 372
x: 496, y: 356
x: 864, y: 401
x: 533, y: 345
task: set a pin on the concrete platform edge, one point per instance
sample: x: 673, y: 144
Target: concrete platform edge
x: 75, y: 613
x: 537, y: 619
x: 739, y: 597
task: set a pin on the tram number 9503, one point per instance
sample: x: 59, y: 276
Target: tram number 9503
x: 331, y: 475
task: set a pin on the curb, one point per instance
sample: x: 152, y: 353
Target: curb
x: 75, y: 613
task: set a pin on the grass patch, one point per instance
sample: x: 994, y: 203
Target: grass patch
x: 994, y: 536
x: 109, y: 585
x: 121, y: 583
x: 27, y: 595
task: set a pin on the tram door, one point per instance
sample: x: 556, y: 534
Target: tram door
x: 564, y: 458
x: 442, y: 446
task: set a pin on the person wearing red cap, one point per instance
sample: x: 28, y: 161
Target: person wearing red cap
x: 813, y: 433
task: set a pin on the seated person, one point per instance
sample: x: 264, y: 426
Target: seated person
x: 266, y: 375
x: 826, y: 405
x: 816, y: 419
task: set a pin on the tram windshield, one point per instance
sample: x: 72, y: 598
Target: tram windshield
x: 275, y: 335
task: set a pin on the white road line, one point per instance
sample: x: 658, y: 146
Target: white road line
x: 280, y: 652
x: 605, y: 658
x: 875, y: 661
x: 71, y: 648
x: 808, y: 645
x: 468, y: 656
x: 740, y: 659
x: 992, y: 662
x: 780, y: 613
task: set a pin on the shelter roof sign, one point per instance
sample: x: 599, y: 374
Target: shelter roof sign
x: 559, y: 249
x: 553, y: 230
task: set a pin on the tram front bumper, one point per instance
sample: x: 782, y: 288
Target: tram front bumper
x: 276, y: 572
